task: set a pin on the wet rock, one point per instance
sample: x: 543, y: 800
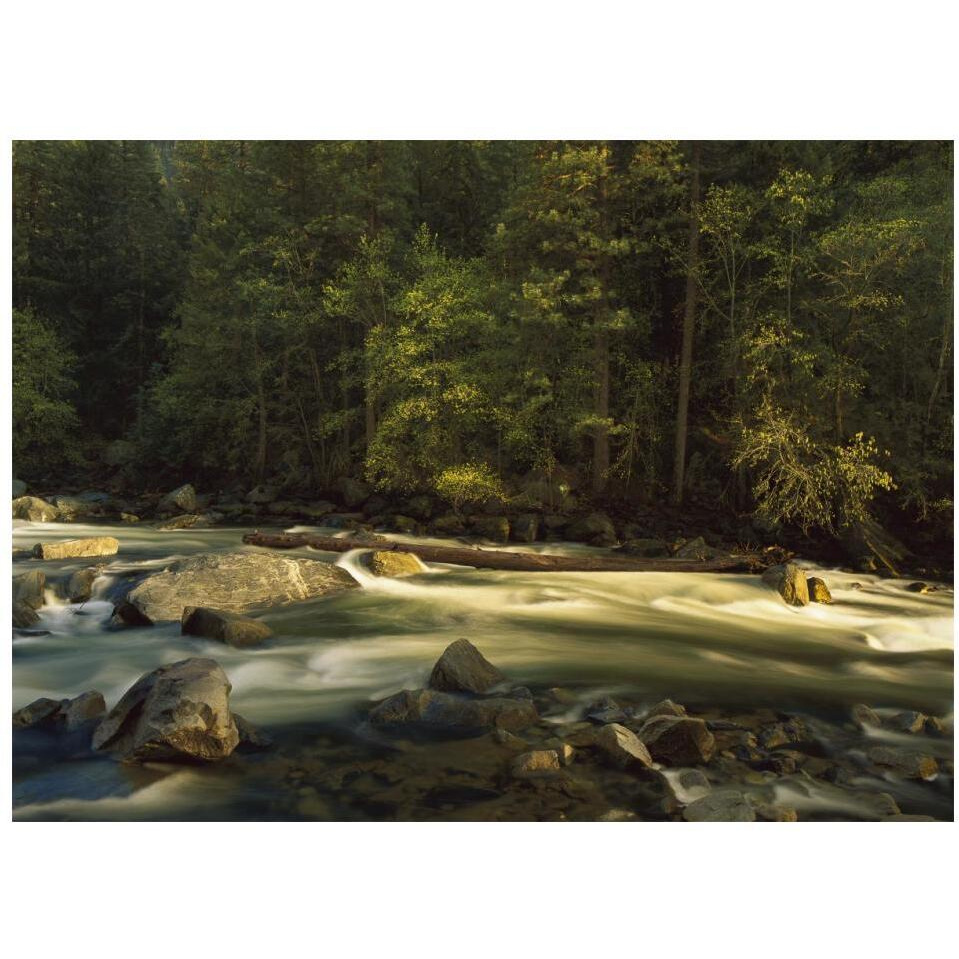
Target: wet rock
x: 28, y: 588
x: 665, y: 707
x: 442, y: 710
x: 781, y: 734
x: 77, y: 548
x: 678, y: 740
x: 463, y: 668
x: 909, y: 763
x: 563, y: 697
x: 24, y: 616
x: 606, y: 710
x: 72, y: 508
x: 863, y: 716
x: 525, y: 528
x: 223, y: 626
x: 395, y: 563
x: 234, y: 582
x: 921, y: 588
x: 818, y: 590
x: 622, y: 747
x: 769, y: 812
x: 495, y: 528
x: 721, y: 805
x: 251, y: 739
x: 180, y: 500
x: 189, y: 521
x: 596, y: 529
x: 538, y: 762
x: 67, y: 715
x: 18, y: 488
x: 129, y: 518
x: 35, y: 510
x: 79, y: 587
x: 176, y: 713
x: 353, y: 492
x: 907, y: 721
x: 125, y: 615
x: 504, y: 737
x: 789, y: 581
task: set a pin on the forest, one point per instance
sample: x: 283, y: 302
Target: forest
x: 745, y: 329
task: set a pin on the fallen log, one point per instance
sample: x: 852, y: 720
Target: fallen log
x: 503, y: 559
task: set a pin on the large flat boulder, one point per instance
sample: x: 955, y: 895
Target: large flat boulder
x: 234, y: 583
x: 77, y: 548
x: 463, y: 668
x: 35, y: 509
x: 179, y: 712
x: 233, y: 629
x: 427, y: 707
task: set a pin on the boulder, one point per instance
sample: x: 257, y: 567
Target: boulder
x: 666, y: 707
x: 697, y: 549
x: 643, y: 546
x: 622, y: 747
x: 18, y: 488
x: 225, y: 627
x: 464, y: 669
x: 538, y: 762
x: 405, y: 524
x: 35, y: 510
x: 789, y: 581
x: 77, y: 548
x: 908, y: 763
x: 28, y: 588
x: 179, y: 712
x: 818, y: 590
x: 251, y: 738
x: 180, y: 500
x: 384, y: 562
x: 72, y: 507
x: 525, y: 528
x: 606, y: 710
x: 678, y: 740
x: 63, y: 714
x: 234, y: 582
x: 419, y: 507
x: 494, y: 528
x: 352, y: 491
x: 427, y: 707
x: 721, y: 805
x: 596, y: 529
x: 24, y: 616
x: 79, y: 587
x: 261, y: 495
x: 449, y: 524
x: 317, y: 510
x: 920, y: 587
x: 908, y: 721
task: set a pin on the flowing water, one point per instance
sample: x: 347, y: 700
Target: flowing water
x: 708, y: 639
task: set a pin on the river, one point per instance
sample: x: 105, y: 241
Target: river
x: 716, y: 640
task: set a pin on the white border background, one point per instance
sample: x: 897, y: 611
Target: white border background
x: 521, y: 69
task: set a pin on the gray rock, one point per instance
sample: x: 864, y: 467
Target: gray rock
x: 180, y: 500
x: 234, y: 582
x: 79, y: 587
x: 666, y: 707
x: 251, y: 738
x: 678, y: 740
x: 35, y: 510
x: 61, y: 714
x: 908, y: 721
x: 790, y: 582
x: 721, y: 805
x: 538, y: 762
x: 179, y: 712
x: 18, y: 488
x: 863, y: 716
x: 24, y: 616
x: 28, y: 588
x: 225, y: 627
x: 441, y: 710
x: 77, y: 548
x: 606, y: 710
x: 261, y: 495
x: 596, y: 529
x: 908, y: 763
x: 463, y: 668
x: 697, y: 549
x: 352, y: 491
x: 72, y: 507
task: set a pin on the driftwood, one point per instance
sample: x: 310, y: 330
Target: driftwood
x: 502, y: 559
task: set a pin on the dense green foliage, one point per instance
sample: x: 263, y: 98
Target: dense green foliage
x: 480, y: 318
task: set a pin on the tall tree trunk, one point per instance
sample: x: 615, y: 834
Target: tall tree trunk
x: 689, y: 323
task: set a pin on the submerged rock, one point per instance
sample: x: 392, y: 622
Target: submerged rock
x: 441, y: 710
x: 463, y: 668
x: 909, y: 763
x: 35, y: 510
x: 678, y: 739
x: 606, y: 710
x: 721, y: 805
x: 226, y: 627
x: 77, y: 548
x: 234, y: 582
x: 538, y: 762
x: 174, y: 713
x: 789, y: 581
x: 383, y: 562
x: 818, y: 590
